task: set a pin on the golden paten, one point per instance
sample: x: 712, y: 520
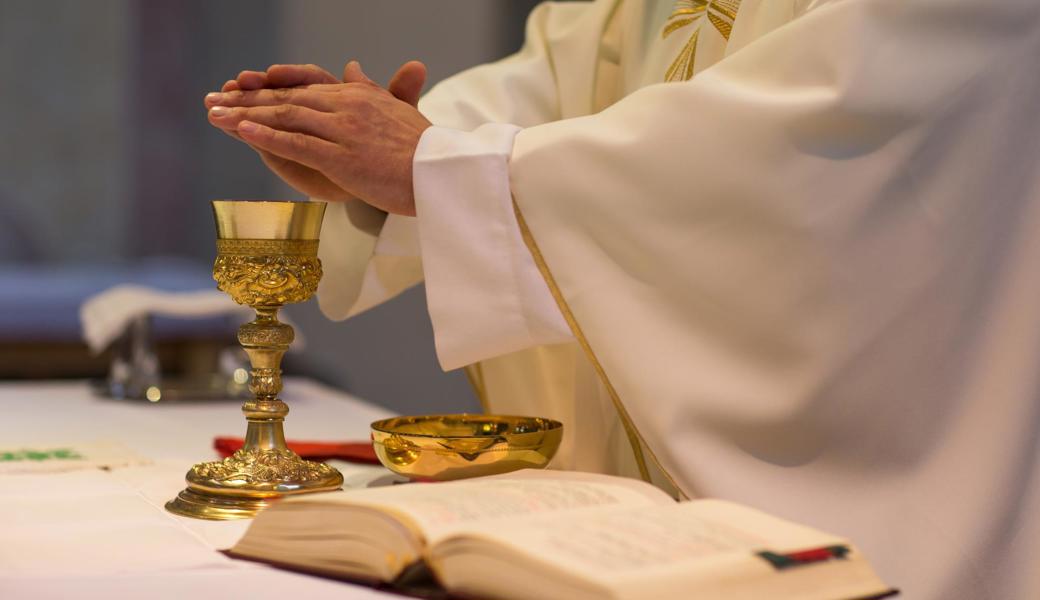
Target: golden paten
x: 267, y: 256
x: 444, y: 447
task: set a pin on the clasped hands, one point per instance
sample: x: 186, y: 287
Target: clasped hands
x: 330, y: 139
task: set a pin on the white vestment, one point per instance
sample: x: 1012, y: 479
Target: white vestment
x: 805, y: 279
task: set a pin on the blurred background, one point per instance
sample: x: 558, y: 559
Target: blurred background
x: 107, y: 166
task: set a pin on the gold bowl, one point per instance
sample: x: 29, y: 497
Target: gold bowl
x: 445, y: 447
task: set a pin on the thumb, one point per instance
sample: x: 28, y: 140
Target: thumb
x: 406, y: 85
x: 352, y: 73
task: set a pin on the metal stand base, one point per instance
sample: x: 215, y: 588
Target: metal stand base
x: 215, y: 508
x: 248, y: 481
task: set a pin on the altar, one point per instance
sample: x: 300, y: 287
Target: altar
x: 104, y: 533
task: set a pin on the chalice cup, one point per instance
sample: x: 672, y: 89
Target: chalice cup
x: 267, y: 256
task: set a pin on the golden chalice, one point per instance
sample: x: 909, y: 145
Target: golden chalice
x: 267, y: 256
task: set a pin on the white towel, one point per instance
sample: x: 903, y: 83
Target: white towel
x: 105, y: 316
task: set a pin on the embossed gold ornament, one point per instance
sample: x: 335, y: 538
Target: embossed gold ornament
x: 273, y: 274
x: 267, y: 256
x: 262, y: 466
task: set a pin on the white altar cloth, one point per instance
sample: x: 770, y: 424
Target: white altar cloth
x: 104, y: 534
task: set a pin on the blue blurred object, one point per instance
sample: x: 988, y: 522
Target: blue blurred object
x: 41, y: 303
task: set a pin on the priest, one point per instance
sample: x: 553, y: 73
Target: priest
x: 776, y: 251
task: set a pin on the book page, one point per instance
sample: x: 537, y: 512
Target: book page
x: 701, y: 549
x: 612, y: 541
x: 631, y: 540
x: 438, y: 508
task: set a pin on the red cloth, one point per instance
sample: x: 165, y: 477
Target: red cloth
x: 359, y: 452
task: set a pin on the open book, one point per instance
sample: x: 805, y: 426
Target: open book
x: 551, y: 534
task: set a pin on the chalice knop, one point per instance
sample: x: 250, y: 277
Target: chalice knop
x: 267, y: 256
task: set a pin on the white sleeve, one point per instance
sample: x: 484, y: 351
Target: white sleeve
x: 485, y: 294
x: 369, y: 256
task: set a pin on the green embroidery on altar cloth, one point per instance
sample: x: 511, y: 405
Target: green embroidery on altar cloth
x: 40, y: 455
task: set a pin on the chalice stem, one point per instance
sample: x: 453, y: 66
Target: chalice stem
x: 265, y: 435
x: 265, y: 340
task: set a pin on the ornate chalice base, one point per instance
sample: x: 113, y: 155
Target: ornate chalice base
x: 246, y: 482
x: 264, y: 274
x: 263, y: 470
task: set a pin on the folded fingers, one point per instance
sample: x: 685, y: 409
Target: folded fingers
x: 297, y: 75
x: 308, y: 150
x: 283, y: 117
x: 251, y: 80
x: 311, y: 98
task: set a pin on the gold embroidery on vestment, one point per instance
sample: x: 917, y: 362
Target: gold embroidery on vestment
x: 689, y: 11
x: 725, y: 27
x: 635, y: 439
x: 669, y: 28
x: 682, y: 66
x: 720, y: 13
x: 727, y: 8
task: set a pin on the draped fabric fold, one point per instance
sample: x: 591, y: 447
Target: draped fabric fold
x: 809, y: 273
x: 804, y: 279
